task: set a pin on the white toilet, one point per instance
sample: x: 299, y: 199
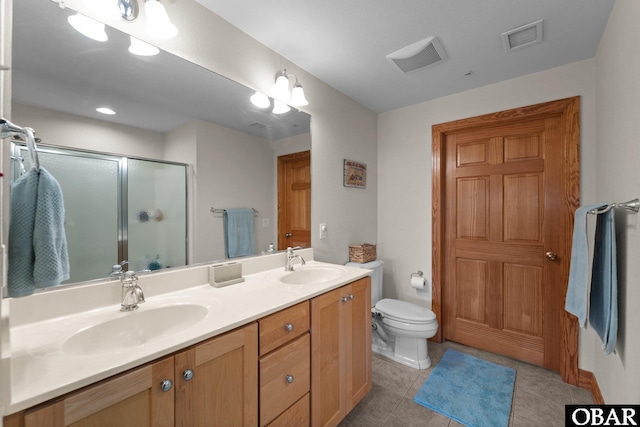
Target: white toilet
x: 400, y: 328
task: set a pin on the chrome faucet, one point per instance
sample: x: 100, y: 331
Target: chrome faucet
x: 132, y: 294
x: 117, y: 271
x: 288, y: 265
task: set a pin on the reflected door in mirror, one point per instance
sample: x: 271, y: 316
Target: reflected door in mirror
x: 294, y: 200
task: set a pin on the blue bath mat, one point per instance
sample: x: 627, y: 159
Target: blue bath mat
x: 472, y: 391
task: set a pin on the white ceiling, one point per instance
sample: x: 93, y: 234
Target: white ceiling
x: 345, y: 43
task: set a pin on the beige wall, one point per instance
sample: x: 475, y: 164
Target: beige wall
x: 404, y: 160
x: 618, y: 179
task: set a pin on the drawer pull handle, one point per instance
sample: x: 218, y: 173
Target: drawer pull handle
x: 345, y: 299
x: 289, y: 378
x: 187, y: 374
x: 166, y: 385
x: 289, y: 327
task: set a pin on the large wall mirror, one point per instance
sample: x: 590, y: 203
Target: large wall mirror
x: 168, y: 112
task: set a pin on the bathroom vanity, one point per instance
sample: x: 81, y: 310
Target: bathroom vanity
x: 266, y: 352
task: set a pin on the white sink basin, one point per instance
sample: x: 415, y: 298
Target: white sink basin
x: 310, y: 275
x: 133, y: 329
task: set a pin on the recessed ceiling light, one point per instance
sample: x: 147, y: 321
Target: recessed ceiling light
x: 105, y: 110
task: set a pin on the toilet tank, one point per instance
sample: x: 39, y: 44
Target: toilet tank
x: 376, y: 277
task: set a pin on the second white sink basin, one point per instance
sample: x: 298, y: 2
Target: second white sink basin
x: 312, y: 274
x: 133, y: 329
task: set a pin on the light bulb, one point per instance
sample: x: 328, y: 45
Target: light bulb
x: 280, y: 89
x: 138, y: 47
x: 158, y: 23
x: 280, y: 107
x: 260, y: 100
x: 105, y: 110
x: 88, y: 27
x: 297, y: 96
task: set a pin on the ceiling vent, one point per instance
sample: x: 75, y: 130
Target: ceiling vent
x: 524, y: 36
x: 418, y: 55
x: 257, y: 125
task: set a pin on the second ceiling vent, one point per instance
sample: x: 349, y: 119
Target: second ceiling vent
x: 524, y: 36
x: 418, y: 55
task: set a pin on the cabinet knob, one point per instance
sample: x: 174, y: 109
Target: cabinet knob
x: 187, y: 374
x: 345, y: 299
x: 166, y: 385
x: 289, y: 327
x: 351, y: 296
x: 289, y: 378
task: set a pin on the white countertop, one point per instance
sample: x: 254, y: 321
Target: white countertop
x: 41, y: 370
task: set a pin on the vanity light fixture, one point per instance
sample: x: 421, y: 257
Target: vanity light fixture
x: 88, y: 27
x: 140, y: 48
x: 260, y: 100
x: 107, y: 8
x: 280, y: 107
x: 158, y: 23
x: 280, y: 90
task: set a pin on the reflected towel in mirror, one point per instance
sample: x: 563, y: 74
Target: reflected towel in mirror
x: 38, y: 255
x: 238, y: 232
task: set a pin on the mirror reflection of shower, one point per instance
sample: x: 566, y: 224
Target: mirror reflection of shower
x: 117, y: 208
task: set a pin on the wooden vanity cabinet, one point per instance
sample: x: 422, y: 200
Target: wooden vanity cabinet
x: 217, y: 381
x: 340, y: 351
x: 222, y: 390
x: 131, y: 399
x: 285, y: 367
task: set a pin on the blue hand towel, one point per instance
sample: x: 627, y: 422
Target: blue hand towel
x: 238, y: 232
x: 38, y: 255
x: 603, y: 305
x: 576, y: 302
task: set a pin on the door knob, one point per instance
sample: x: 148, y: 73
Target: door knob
x: 551, y: 256
x: 287, y: 234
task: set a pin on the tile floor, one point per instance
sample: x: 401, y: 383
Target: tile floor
x: 538, y: 400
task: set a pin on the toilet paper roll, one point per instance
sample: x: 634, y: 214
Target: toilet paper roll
x: 417, y: 282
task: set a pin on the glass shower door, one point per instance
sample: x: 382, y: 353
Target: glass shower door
x: 156, y: 214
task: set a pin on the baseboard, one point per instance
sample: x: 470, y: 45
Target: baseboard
x: 587, y: 380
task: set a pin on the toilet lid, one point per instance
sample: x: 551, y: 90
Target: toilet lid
x: 405, y: 311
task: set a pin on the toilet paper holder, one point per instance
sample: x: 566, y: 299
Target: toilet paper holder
x: 418, y: 274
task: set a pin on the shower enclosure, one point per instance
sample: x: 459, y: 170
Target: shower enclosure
x: 117, y: 208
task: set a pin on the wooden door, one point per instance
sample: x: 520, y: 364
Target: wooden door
x: 224, y: 388
x: 132, y: 399
x: 358, y: 341
x: 294, y: 200
x: 507, y: 233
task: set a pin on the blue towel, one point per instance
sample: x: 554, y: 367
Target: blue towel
x: 38, y: 255
x: 238, y: 232
x: 603, y: 305
x: 576, y: 302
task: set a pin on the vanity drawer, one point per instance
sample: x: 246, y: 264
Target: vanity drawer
x: 284, y: 378
x: 297, y: 415
x: 283, y: 326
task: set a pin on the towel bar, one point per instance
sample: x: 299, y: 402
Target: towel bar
x: 222, y: 211
x: 631, y: 205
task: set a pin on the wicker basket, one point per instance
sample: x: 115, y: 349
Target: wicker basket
x: 362, y: 253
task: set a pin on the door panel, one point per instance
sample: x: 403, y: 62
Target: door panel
x: 496, y: 191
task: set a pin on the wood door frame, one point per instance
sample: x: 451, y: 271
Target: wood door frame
x: 569, y: 111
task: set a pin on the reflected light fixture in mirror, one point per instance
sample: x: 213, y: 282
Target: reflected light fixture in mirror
x: 280, y: 89
x: 280, y: 107
x: 140, y: 48
x: 105, y: 110
x: 88, y: 27
x: 260, y: 100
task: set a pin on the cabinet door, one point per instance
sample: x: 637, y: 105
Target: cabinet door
x: 358, y: 341
x: 223, y: 389
x: 133, y: 399
x: 327, y: 360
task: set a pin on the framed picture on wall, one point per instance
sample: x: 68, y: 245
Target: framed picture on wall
x: 355, y: 174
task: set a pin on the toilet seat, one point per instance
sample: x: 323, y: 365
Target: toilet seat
x: 404, y: 312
